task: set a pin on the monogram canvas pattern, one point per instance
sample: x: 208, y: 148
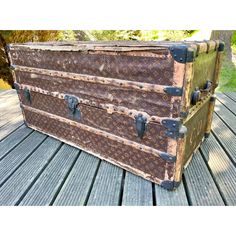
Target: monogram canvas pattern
x: 117, y: 124
x: 153, y: 103
x: 155, y: 168
x: 154, y: 70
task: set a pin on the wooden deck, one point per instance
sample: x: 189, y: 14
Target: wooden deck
x: 38, y: 170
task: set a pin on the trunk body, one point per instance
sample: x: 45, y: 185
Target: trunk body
x: 144, y: 106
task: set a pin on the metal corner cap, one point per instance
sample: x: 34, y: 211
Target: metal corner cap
x: 169, y: 184
x: 182, y: 53
x: 221, y: 46
x: 213, y: 98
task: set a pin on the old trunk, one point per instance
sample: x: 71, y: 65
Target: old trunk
x: 144, y: 106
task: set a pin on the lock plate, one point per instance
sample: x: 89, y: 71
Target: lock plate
x: 141, y: 125
x: 27, y: 95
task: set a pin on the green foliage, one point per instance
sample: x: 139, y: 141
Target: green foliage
x: 227, y: 81
x: 66, y: 35
x: 149, y: 35
x: 139, y: 34
x: 175, y: 35
x: 113, y: 34
x: 233, y: 40
x: 22, y: 36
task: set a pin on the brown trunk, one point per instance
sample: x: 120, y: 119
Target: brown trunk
x: 142, y: 106
x: 224, y: 35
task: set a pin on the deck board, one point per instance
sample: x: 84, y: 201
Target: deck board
x: 225, y: 137
x: 77, y: 186
x: 11, y: 126
x: 47, y: 185
x: 13, y: 140
x: 171, y: 198
x: 38, y: 170
x: 10, y: 115
x: 229, y: 103
x: 2, y: 92
x: 201, y: 186
x: 222, y: 168
x: 137, y: 191
x: 18, y: 155
x: 226, y: 115
x: 231, y: 95
x: 107, y: 186
x: 22, y: 179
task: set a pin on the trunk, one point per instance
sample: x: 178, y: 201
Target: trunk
x: 144, y: 106
x: 226, y: 36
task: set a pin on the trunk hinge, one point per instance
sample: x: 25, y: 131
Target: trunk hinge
x: 74, y: 111
x: 174, y: 91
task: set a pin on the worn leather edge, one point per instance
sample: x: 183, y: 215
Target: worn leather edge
x: 114, y: 45
x: 188, y: 76
x: 205, y: 46
x: 210, y: 115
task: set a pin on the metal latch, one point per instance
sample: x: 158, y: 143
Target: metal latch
x: 27, y: 95
x: 74, y: 111
x: 141, y: 125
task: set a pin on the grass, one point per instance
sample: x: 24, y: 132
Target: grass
x: 227, y: 81
x: 234, y: 49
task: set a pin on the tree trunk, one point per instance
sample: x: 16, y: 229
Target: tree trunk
x: 224, y: 35
x: 5, y: 72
